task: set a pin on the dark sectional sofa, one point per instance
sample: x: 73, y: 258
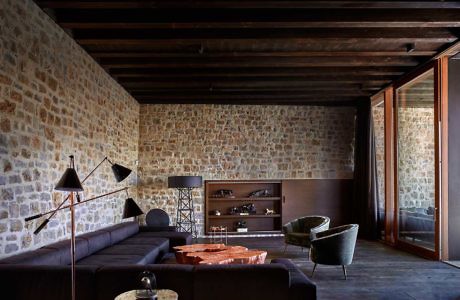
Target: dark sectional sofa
x: 109, y: 262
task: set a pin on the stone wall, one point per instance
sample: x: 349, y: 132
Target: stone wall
x: 378, y: 114
x: 416, y: 157
x: 239, y: 142
x: 56, y: 101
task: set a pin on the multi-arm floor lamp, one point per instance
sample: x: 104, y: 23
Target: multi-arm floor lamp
x: 70, y: 182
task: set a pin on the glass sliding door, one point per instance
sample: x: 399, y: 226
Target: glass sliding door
x: 378, y: 118
x: 417, y: 163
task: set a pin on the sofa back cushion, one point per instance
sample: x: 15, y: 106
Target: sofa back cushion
x: 114, y: 280
x: 97, y: 240
x: 46, y: 282
x: 63, y: 250
x: 40, y: 256
x: 242, y: 282
x: 122, y: 231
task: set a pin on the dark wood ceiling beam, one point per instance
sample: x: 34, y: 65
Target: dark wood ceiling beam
x: 261, y: 72
x: 295, y: 62
x: 313, y: 90
x: 252, y: 84
x: 314, y: 77
x: 240, y: 25
x: 249, y: 4
x: 436, y: 34
x: 334, y: 101
x: 301, y: 42
x: 152, y: 54
x: 252, y: 95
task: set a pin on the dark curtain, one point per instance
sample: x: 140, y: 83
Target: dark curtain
x: 365, y: 189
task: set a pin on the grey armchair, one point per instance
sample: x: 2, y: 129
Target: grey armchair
x: 301, y: 231
x: 335, y: 246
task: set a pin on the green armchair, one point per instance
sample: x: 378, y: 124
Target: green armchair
x: 335, y: 246
x: 301, y: 231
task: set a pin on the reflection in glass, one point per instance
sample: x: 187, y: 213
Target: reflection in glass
x: 378, y: 117
x: 416, y: 161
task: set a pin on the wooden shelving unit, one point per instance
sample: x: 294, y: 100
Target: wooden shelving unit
x: 258, y: 223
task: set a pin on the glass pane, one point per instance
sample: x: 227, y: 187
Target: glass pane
x: 416, y: 161
x: 378, y: 116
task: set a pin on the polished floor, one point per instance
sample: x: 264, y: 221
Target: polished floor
x: 377, y: 272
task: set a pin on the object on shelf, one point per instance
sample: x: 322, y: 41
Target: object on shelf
x: 260, y: 193
x: 234, y: 210
x: 248, y: 209
x: 269, y: 211
x: 223, y: 194
x: 217, y: 212
x: 241, y: 226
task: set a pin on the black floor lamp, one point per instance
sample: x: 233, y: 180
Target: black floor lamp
x: 185, y: 216
x: 70, y: 182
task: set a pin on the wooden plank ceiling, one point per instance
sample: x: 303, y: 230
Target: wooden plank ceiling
x: 258, y: 52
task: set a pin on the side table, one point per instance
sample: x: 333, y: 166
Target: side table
x: 162, y: 295
x: 219, y: 234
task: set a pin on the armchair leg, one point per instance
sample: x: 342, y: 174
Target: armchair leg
x: 313, y: 272
x: 344, y: 272
x: 285, y: 248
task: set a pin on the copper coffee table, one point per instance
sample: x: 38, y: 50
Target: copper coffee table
x: 215, y: 254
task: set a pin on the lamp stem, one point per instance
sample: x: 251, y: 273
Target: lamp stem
x: 72, y: 242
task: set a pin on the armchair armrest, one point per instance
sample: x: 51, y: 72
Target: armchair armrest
x: 287, y: 228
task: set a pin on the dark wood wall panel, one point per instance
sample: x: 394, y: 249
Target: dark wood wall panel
x: 327, y: 197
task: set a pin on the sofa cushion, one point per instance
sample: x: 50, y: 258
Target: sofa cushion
x: 114, y: 280
x: 122, y: 231
x: 150, y: 253
x: 46, y: 282
x: 175, y: 238
x: 300, y: 286
x: 97, y: 240
x: 37, y: 257
x: 113, y: 259
x: 242, y: 282
x: 63, y: 249
x: 161, y: 243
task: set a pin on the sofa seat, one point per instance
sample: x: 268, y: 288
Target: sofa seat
x: 149, y: 252
x: 161, y: 243
x: 113, y: 259
x: 175, y: 238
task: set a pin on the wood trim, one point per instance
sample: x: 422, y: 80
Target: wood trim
x: 444, y: 110
x: 389, y: 167
x: 437, y: 169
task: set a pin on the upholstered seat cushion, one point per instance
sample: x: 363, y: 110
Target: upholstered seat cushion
x: 115, y: 259
x: 175, y: 238
x: 161, y: 243
x: 150, y: 253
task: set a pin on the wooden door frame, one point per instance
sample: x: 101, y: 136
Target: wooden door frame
x: 387, y: 95
x: 437, y: 123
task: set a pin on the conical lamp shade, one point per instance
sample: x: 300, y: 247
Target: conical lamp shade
x: 69, y: 182
x: 131, y: 209
x: 120, y: 172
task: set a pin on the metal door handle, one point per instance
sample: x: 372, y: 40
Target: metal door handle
x: 284, y: 199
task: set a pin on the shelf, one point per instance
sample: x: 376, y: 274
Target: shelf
x: 244, y: 216
x: 246, y: 199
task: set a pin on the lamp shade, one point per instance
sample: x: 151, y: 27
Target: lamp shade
x: 69, y: 182
x: 131, y: 209
x: 184, y: 182
x: 120, y: 172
